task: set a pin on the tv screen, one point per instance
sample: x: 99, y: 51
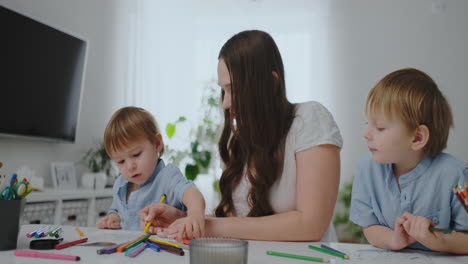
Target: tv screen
x: 42, y: 72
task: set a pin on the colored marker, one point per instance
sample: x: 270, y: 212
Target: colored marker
x: 332, y: 249
x: 163, y: 242
x: 124, y: 246
x: 153, y: 246
x: 31, y: 234
x: 136, y: 250
x: 35, y: 254
x: 442, y: 230
x: 329, y: 252
x: 41, y: 232
x: 78, y: 231
x: 286, y: 255
x: 57, y: 232
x: 108, y: 250
x: 139, y: 241
x: 168, y: 248
x: 72, y: 243
x: 148, y: 224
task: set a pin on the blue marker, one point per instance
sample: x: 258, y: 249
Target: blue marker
x: 153, y: 246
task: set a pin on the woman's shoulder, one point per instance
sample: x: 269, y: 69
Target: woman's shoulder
x: 310, y: 107
x: 314, y: 125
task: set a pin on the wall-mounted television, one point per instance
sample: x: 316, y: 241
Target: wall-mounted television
x: 42, y: 75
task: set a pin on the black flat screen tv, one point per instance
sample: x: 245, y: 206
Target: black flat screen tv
x: 42, y: 75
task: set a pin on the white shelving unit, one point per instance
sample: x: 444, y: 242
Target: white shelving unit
x: 80, y: 207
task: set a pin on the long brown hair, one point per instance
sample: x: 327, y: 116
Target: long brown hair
x: 254, y: 143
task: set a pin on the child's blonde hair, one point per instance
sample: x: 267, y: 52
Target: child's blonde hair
x: 413, y: 97
x: 127, y: 125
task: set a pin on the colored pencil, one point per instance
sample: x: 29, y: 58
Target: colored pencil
x: 332, y: 249
x: 329, y: 252
x: 287, y: 255
x: 442, y: 230
x: 460, y: 197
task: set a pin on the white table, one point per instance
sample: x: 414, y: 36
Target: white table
x: 359, y: 253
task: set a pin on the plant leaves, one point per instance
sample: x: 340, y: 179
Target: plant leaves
x: 191, y: 171
x: 203, y: 159
x: 170, y: 130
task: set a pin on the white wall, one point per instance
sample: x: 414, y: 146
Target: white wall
x: 371, y: 38
x: 95, y: 22
x: 368, y: 39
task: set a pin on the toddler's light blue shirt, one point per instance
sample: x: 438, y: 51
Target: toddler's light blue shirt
x: 165, y: 180
x: 425, y: 191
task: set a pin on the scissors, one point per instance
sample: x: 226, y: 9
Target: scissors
x: 16, y: 190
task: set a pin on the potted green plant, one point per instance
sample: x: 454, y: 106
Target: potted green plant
x: 99, y: 165
x: 346, y: 229
x: 198, y: 157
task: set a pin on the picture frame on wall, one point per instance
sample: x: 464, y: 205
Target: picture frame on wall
x: 63, y: 175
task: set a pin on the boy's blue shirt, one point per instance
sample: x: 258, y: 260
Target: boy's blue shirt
x: 166, y: 180
x: 425, y: 191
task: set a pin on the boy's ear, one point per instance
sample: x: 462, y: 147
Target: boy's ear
x: 158, y: 142
x: 420, y: 137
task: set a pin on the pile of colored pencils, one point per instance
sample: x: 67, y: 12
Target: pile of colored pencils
x: 462, y: 195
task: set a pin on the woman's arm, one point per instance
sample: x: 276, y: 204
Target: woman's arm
x: 194, y: 201
x: 318, y: 173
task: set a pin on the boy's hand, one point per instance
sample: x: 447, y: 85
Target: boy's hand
x: 401, y: 238
x: 418, y: 228
x: 110, y: 221
x: 190, y: 227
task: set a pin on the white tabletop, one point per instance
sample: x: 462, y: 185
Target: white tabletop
x: 359, y: 253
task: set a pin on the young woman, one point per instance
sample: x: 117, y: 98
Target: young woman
x: 281, y: 160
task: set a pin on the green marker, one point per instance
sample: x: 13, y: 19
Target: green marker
x: 286, y: 255
x: 329, y: 252
x: 442, y: 230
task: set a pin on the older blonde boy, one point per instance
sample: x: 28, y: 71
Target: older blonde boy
x: 405, y: 185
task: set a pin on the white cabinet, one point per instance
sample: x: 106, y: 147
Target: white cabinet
x: 80, y: 207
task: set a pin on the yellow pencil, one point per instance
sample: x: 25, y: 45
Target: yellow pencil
x: 148, y: 224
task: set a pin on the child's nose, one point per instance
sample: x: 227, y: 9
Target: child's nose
x: 366, y: 133
x: 131, y: 165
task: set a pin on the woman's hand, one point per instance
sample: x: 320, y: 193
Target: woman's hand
x: 110, y: 221
x: 160, y: 215
x: 190, y: 227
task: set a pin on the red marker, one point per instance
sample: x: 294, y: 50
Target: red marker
x: 34, y: 254
x: 69, y: 244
